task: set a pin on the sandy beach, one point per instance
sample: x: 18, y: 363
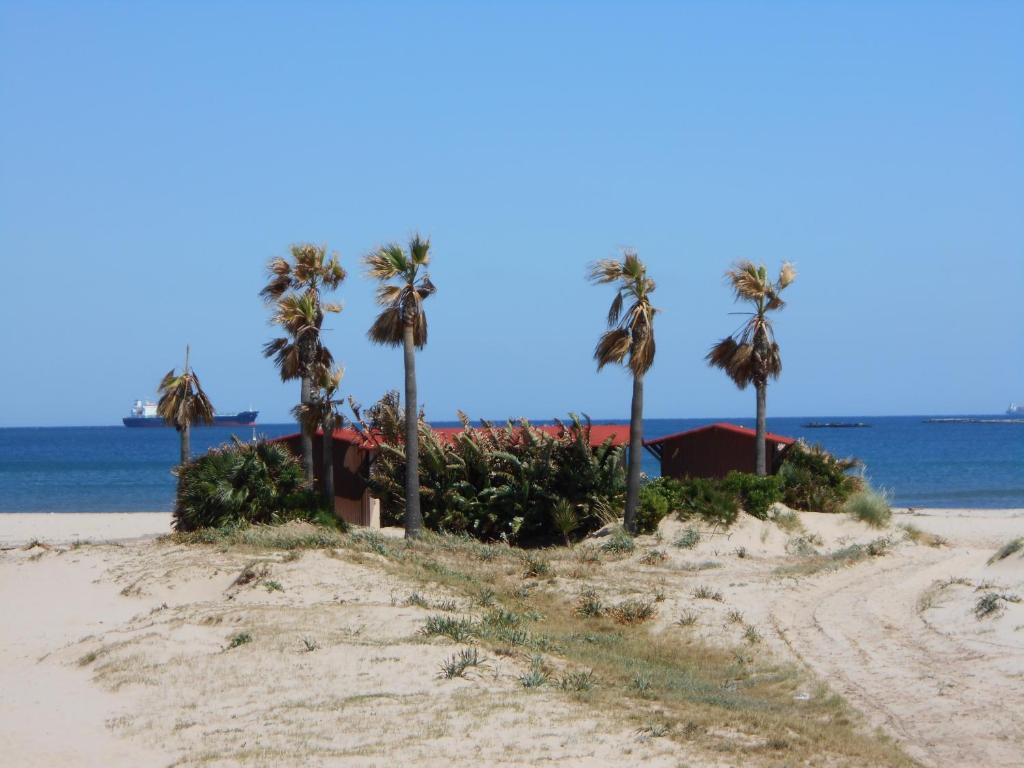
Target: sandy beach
x: 120, y: 653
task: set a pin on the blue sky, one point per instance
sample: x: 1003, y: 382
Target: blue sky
x: 155, y: 155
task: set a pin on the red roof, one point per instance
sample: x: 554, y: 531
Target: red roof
x: 618, y: 433
x: 770, y: 437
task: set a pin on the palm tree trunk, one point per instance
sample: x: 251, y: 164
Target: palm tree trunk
x: 186, y: 443
x: 327, y: 470
x: 761, y: 464
x: 413, y: 518
x: 636, y: 447
x: 307, y: 434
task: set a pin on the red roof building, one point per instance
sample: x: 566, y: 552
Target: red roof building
x: 353, y: 452
x: 714, y: 451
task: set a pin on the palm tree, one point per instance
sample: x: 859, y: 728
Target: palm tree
x: 404, y: 284
x: 184, y: 403
x: 294, y: 287
x: 629, y: 341
x: 751, y: 355
x: 321, y: 412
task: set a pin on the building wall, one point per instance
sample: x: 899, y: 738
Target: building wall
x: 352, y: 501
x: 714, y: 453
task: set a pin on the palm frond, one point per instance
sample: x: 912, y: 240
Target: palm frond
x: 615, y: 310
x: 612, y: 347
x: 604, y: 271
x: 419, y: 250
x: 386, y: 263
x: 387, y: 328
x: 787, y: 274
x: 747, y: 280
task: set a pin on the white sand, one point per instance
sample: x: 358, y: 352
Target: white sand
x: 890, y: 634
x: 63, y: 528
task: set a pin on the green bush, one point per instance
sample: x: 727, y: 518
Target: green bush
x: 652, y: 510
x: 242, y: 483
x: 513, y: 483
x: 869, y: 507
x: 816, y: 481
x: 704, y: 498
x: 756, y: 494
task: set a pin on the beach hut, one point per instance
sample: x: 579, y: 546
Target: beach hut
x: 714, y: 451
x: 353, y: 453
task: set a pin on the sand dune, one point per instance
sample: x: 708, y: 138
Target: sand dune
x: 121, y: 654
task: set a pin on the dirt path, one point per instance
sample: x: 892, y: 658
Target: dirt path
x: 951, y: 700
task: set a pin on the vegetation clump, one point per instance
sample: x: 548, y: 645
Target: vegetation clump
x: 816, y: 481
x: 991, y: 604
x: 619, y: 543
x: 456, y: 665
x: 512, y: 483
x: 688, y: 539
x: 1009, y: 548
x: 756, y: 494
x: 869, y: 507
x: 633, y: 611
x: 242, y: 483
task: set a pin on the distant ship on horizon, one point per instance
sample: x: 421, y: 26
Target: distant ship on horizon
x: 1015, y: 410
x: 143, y: 414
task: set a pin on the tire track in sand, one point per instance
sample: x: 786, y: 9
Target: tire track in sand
x: 948, y: 702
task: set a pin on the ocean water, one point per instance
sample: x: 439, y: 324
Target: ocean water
x: 115, y: 469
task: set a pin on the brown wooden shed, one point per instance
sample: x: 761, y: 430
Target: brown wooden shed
x: 352, y: 455
x: 714, y: 451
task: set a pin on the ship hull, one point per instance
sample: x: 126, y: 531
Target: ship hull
x: 241, y: 419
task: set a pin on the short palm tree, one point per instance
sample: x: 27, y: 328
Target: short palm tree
x: 629, y: 341
x: 184, y: 403
x: 404, y: 285
x: 294, y: 288
x: 322, y: 412
x: 751, y: 355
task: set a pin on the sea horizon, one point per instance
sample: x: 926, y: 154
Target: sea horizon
x: 112, y: 468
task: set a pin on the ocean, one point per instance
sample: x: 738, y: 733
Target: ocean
x: 115, y: 469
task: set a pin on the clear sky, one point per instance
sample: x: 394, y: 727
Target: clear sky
x: 155, y: 155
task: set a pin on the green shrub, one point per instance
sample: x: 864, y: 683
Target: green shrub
x: 659, y: 497
x: 242, y: 483
x: 652, y: 510
x: 512, y: 483
x: 688, y: 539
x: 869, y: 507
x: 756, y: 494
x: 704, y: 498
x: 816, y: 481
x: 619, y: 543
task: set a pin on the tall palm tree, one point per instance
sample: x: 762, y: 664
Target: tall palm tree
x: 322, y: 412
x: 404, y: 285
x: 294, y: 287
x: 751, y: 355
x: 629, y: 341
x: 184, y: 403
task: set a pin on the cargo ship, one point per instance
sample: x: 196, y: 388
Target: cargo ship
x: 143, y: 414
x: 1015, y: 410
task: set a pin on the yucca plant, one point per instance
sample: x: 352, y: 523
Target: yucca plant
x: 751, y: 355
x: 404, y: 285
x: 294, y: 289
x: 184, y: 403
x: 323, y: 412
x: 629, y: 341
